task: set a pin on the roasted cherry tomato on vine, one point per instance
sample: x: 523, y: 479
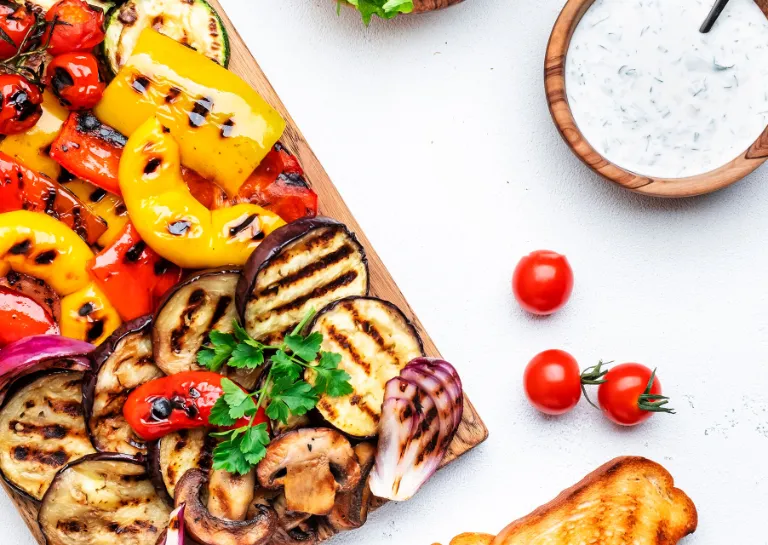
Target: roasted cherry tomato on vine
x: 552, y: 382
x: 542, y: 282
x: 630, y: 394
x: 78, y: 27
x: 75, y: 80
x: 22, y: 317
x: 177, y: 402
x: 21, y: 105
x: 15, y: 22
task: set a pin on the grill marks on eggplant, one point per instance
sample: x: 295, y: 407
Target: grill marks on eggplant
x: 129, y: 365
x: 41, y: 429
x: 181, y: 451
x: 196, y: 307
x: 103, y: 499
x: 324, y: 265
x: 375, y: 341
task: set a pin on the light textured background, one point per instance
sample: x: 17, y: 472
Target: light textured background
x: 436, y: 131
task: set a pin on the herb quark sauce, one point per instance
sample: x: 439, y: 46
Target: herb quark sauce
x: 656, y: 97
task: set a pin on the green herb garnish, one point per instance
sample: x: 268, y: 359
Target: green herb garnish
x: 284, y: 392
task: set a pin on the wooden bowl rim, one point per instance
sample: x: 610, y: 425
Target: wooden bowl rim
x: 554, y: 84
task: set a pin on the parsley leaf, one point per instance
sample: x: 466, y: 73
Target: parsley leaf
x: 288, y: 397
x: 245, y: 356
x: 220, y: 414
x: 228, y: 456
x: 329, y: 379
x: 240, y: 333
x: 386, y: 9
x: 254, y: 443
x: 240, y: 403
x: 305, y: 348
x: 283, y: 367
x: 221, y: 347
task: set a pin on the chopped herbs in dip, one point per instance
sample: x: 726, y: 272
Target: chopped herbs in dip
x: 655, y: 96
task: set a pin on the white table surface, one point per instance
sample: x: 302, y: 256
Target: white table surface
x: 436, y: 131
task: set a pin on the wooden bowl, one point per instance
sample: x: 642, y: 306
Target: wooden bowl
x: 554, y: 83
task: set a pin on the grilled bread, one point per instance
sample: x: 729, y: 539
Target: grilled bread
x: 41, y: 429
x: 304, y: 265
x: 628, y: 501
x: 375, y: 341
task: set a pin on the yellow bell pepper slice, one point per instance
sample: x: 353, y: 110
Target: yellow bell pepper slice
x: 31, y: 147
x: 34, y: 243
x: 107, y: 206
x: 223, y: 127
x: 170, y: 220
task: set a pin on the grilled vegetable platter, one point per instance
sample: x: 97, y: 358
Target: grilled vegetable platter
x: 190, y: 350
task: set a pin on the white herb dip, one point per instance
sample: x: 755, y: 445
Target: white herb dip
x: 656, y: 97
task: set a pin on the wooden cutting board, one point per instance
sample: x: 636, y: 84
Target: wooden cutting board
x: 472, y: 430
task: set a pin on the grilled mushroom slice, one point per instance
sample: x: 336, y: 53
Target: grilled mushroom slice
x: 305, y: 264
x: 230, y: 495
x: 124, y: 362
x: 41, y: 429
x: 103, y: 498
x: 175, y: 454
x: 312, y: 465
x: 351, y: 508
x: 203, y: 527
x: 376, y: 341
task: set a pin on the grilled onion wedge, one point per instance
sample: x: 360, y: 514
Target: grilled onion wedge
x: 175, y: 454
x: 124, y: 362
x: 303, y: 265
x: 103, y: 498
x: 376, y: 341
x: 41, y: 429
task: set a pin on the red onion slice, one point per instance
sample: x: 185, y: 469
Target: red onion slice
x: 39, y: 353
x: 448, y: 381
x: 440, y: 397
x: 175, y: 533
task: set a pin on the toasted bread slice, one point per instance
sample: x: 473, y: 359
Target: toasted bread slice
x: 472, y: 538
x: 628, y: 501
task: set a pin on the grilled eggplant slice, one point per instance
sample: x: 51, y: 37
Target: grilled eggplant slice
x: 123, y: 362
x: 41, y: 429
x: 103, y: 498
x: 376, y: 341
x: 305, y: 264
x: 175, y: 454
x: 195, y: 307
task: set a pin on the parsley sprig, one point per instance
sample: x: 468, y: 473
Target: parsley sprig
x: 283, y: 393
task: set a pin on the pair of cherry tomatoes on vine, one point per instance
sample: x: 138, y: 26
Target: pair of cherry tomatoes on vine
x: 627, y: 394
x: 68, y: 31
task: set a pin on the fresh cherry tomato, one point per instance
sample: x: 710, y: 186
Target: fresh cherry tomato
x: 76, y: 80
x: 22, y: 317
x: 79, y: 27
x: 552, y: 382
x: 629, y: 396
x: 542, y: 282
x: 21, y: 105
x: 15, y: 21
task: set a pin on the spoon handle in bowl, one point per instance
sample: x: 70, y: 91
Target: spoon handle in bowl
x: 709, y: 22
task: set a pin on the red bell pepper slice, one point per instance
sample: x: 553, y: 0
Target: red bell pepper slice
x: 177, y: 402
x: 22, y: 317
x: 278, y: 185
x: 132, y: 275
x: 90, y: 150
x: 24, y: 189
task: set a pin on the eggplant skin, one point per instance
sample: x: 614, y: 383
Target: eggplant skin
x: 41, y: 429
x: 121, y: 364
x: 305, y: 264
x: 103, y: 498
x: 175, y: 454
x: 376, y: 341
x: 188, y: 313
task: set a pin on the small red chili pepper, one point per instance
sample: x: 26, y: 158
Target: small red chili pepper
x: 132, y: 275
x: 177, y: 402
x: 75, y: 80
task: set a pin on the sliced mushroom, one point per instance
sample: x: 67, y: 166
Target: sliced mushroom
x: 351, y: 508
x: 206, y: 529
x: 304, y: 533
x: 294, y: 423
x: 312, y: 465
x: 230, y: 495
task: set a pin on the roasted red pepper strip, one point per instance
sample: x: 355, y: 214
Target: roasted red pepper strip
x: 133, y: 277
x: 22, y: 317
x: 177, y: 402
x: 90, y: 150
x: 278, y: 185
x: 24, y: 189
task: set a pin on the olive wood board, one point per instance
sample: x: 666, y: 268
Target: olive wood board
x: 472, y: 430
